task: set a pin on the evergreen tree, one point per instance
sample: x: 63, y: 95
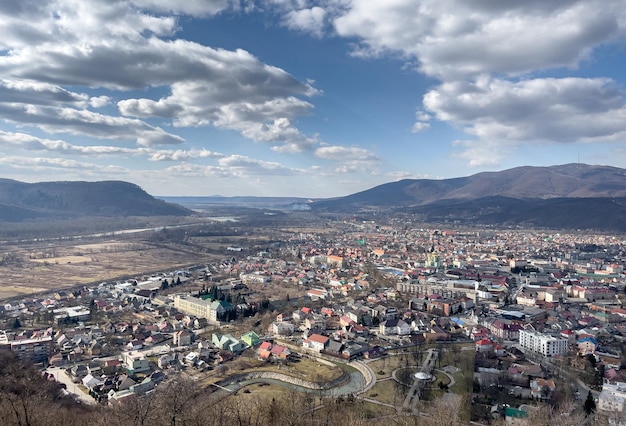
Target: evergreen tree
x: 590, y: 404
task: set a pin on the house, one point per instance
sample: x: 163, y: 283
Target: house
x: 317, y: 294
x: 164, y: 361
x: 282, y: 328
x: 280, y: 352
x: 316, y: 342
x: 135, y: 362
x: 484, y: 345
x: 264, y: 350
x: 227, y: 342
x: 586, y: 344
x: 542, y: 389
x: 352, y: 350
x: 91, y: 382
x: 251, y: 338
x: 182, y: 338
x: 394, y: 326
x: 333, y: 347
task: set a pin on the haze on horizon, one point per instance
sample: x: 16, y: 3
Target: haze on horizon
x: 309, y: 98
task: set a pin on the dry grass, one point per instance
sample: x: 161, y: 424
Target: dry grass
x: 37, y: 268
x: 387, y: 391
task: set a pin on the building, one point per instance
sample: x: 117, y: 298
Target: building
x: 182, y: 338
x: 71, y: 314
x: 193, y: 306
x: 612, y: 399
x: 36, y: 349
x: 394, y: 326
x: 135, y: 362
x: 543, y: 344
x: 316, y: 342
x: 251, y: 338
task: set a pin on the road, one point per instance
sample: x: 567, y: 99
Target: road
x: 61, y: 377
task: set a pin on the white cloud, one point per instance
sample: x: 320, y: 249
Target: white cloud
x: 84, y: 122
x: 482, y: 153
x: 485, y: 55
x: 182, y: 155
x: 462, y: 38
x: 33, y: 143
x: 307, y: 20
x: 199, y: 8
x: 99, y: 101
x: 536, y: 110
x: 241, y: 166
x: 127, y: 45
x: 351, y: 159
x: 401, y: 175
x: 44, y: 164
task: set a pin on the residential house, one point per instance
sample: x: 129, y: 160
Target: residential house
x: 484, y: 345
x: 182, y: 338
x: 264, y: 350
x: 227, y: 342
x: 135, y: 362
x: 316, y: 342
x: 542, y: 389
x: 251, y: 338
x: 393, y: 327
x: 282, y: 328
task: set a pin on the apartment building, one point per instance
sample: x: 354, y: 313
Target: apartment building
x: 543, y: 344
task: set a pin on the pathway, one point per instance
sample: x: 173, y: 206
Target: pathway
x: 413, y: 395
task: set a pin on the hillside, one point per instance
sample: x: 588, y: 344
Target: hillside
x: 61, y: 200
x: 566, y: 196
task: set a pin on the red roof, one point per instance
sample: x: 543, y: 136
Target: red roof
x: 484, y: 342
x: 318, y: 338
x: 277, y: 350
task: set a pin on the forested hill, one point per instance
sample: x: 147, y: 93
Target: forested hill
x: 572, y: 196
x: 59, y: 200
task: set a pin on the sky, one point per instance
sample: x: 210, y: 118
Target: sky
x: 306, y: 98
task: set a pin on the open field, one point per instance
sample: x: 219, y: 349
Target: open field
x: 36, y: 257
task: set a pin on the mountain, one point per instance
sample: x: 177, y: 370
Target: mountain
x: 61, y: 200
x: 566, y: 196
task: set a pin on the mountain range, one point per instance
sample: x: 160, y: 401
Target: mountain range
x: 572, y: 196
x: 569, y: 196
x: 65, y: 200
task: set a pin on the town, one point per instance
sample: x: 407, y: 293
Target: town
x: 501, y: 324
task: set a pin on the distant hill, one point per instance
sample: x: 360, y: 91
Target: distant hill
x: 61, y: 200
x: 565, y: 196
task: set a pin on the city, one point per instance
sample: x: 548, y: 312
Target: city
x: 510, y: 321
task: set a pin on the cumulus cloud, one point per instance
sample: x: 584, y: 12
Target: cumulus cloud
x: 241, y: 166
x: 400, y: 175
x: 33, y: 143
x: 542, y: 109
x: 485, y: 55
x: 309, y: 20
x: 99, y: 101
x: 199, y: 8
x: 84, y: 122
x: 182, y: 155
x: 120, y: 46
x: 463, y: 38
x: 45, y: 164
x: 350, y: 159
x: 482, y: 153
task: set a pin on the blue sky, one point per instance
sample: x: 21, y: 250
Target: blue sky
x: 306, y: 98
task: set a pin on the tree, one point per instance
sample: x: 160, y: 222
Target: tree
x: 590, y: 404
x: 16, y: 324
